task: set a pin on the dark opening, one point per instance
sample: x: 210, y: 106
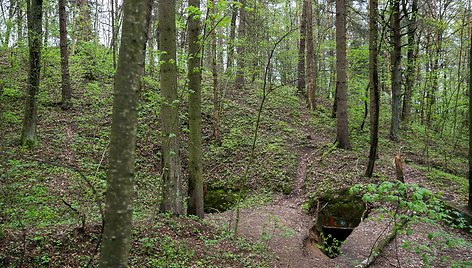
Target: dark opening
x: 219, y: 200
x: 335, y: 222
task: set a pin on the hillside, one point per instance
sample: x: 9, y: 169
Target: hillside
x: 52, y: 195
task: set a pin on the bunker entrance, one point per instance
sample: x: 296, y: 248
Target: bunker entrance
x: 336, y: 219
x: 219, y: 200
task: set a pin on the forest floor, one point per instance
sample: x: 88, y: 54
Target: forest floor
x: 284, y: 226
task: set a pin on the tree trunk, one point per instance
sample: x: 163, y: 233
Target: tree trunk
x: 46, y: 26
x: 374, y: 86
x: 195, y: 185
x: 113, y: 32
x: 342, y: 125
x: 301, y: 50
x: 119, y: 195
x: 172, y: 199
x: 9, y: 23
x: 66, y: 102
x: 470, y: 130
x: 84, y: 27
x: 240, y: 48
x: 310, y: 56
x: 216, y: 91
x: 411, y: 60
x: 19, y: 25
x: 232, y: 35
x: 396, y: 73
x: 34, y: 13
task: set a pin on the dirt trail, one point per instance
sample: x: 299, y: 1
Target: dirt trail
x: 282, y: 225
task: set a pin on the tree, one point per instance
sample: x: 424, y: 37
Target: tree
x: 215, y: 115
x: 172, y: 199
x: 119, y: 195
x: 301, y: 49
x: 19, y: 24
x: 66, y: 90
x: 374, y: 86
x: 9, y: 23
x: 411, y: 59
x: 470, y: 130
x: 84, y: 23
x: 232, y: 35
x: 34, y: 14
x: 310, y: 56
x: 195, y: 185
x: 342, y: 126
x: 396, y: 73
x: 241, y: 61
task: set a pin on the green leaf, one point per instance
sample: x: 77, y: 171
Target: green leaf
x: 430, y: 236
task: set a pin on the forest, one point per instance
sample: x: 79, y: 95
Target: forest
x: 235, y: 133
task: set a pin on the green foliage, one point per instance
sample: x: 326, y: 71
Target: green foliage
x: 11, y: 92
x: 415, y: 204
x: 172, y: 254
x: 11, y: 117
x: 330, y: 245
x: 445, y: 180
x: 91, y: 62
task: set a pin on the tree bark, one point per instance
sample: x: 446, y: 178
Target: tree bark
x: 85, y: 27
x: 9, y: 23
x: 241, y: 61
x: 66, y: 102
x: 470, y: 131
x: 19, y: 25
x: 113, y: 33
x: 216, y: 91
x: 172, y: 199
x: 34, y: 13
x: 310, y: 56
x: 301, y: 50
x: 119, y: 196
x: 232, y: 35
x: 396, y: 73
x: 374, y: 86
x: 411, y: 60
x: 46, y: 26
x: 195, y: 185
x: 342, y: 125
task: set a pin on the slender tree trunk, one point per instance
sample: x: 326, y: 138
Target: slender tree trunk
x: 411, y: 60
x: 119, y: 195
x: 19, y: 25
x: 9, y: 23
x: 310, y: 56
x: 66, y: 102
x: 46, y: 26
x: 34, y: 13
x: 470, y: 130
x: 241, y: 61
x: 374, y: 86
x: 113, y: 32
x: 232, y: 35
x: 172, y: 197
x: 396, y: 73
x: 301, y: 49
x: 195, y: 185
x: 459, y: 84
x: 342, y: 125
x: 216, y: 90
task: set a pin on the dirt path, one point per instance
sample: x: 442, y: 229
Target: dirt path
x: 282, y: 225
